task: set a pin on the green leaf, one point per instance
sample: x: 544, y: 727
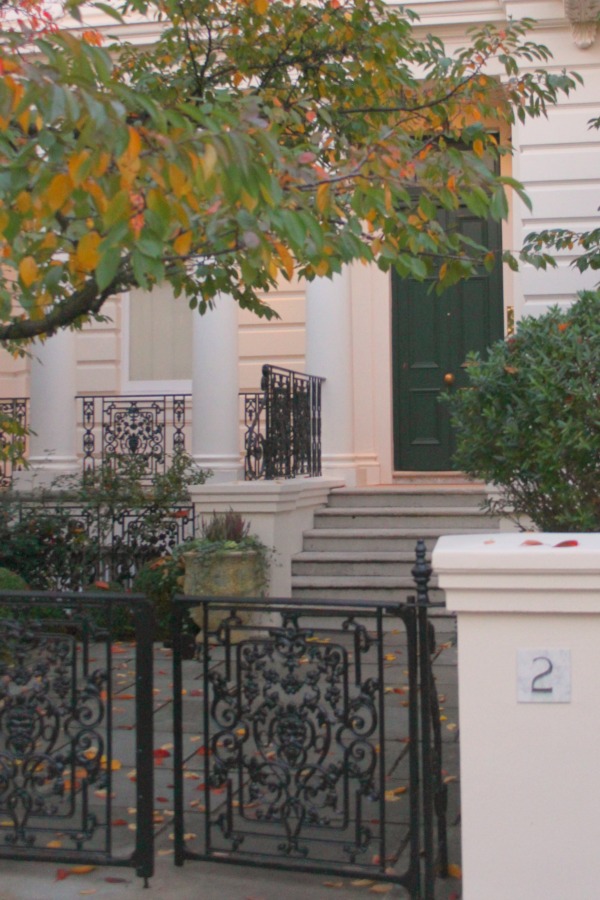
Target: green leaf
x: 107, y: 267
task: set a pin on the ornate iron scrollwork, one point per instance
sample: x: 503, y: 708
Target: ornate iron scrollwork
x: 52, y: 738
x: 296, y: 739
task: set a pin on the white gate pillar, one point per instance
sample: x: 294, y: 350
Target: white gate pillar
x: 215, y: 391
x: 329, y: 354
x: 528, y: 609
x: 53, y: 413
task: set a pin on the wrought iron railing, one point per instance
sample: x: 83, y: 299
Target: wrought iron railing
x: 283, y: 426
x: 13, y: 436
x: 305, y: 746
x: 61, y: 690
x: 85, y: 543
x: 148, y: 428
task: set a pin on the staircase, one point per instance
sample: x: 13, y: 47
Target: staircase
x: 362, y: 544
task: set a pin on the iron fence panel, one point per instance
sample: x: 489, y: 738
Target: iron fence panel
x: 303, y: 746
x: 63, y: 753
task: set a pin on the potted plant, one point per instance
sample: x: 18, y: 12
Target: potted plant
x: 225, y: 561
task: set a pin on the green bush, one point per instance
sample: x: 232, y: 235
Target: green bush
x: 160, y: 579
x: 104, y: 524
x: 529, y: 422
x: 10, y: 581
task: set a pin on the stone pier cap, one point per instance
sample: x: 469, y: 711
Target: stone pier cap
x: 520, y: 572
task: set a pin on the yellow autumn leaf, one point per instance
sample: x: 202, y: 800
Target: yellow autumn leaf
x: 248, y: 200
x: 443, y: 270
x: 23, y: 201
x: 322, y: 199
x: 261, y: 6
x: 134, y: 146
x: 182, y: 243
x: 178, y: 179
x: 478, y: 148
x: 322, y: 268
x: 81, y: 870
x: 23, y: 120
x: 102, y: 164
x: 28, y: 270
x: 454, y: 871
x: 59, y: 191
x: 74, y: 165
x: 86, y: 255
x: 286, y: 258
x: 209, y: 161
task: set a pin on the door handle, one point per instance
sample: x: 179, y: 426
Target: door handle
x: 448, y: 378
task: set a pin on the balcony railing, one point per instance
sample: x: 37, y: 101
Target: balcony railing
x: 283, y: 426
x: 148, y: 428
x: 281, y: 423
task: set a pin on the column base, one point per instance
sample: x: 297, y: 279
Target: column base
x: 224, y: 468
x: 355, y: 470
x: 42, y: 471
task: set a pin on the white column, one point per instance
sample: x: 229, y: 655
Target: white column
x: 329, y: 354
x: 528, y: 609
x: 53, y: 412
x: 215, y: 390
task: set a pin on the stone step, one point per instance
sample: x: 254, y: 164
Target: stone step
x: 376, y: 564
x: 330, y: 587
x: 375, y: 539
x: 426, y: 495
x: 441, y: 518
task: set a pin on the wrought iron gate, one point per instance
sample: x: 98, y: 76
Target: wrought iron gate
x: 62, y: 753
x: 314, y: 741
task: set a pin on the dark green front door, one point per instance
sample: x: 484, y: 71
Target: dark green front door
x: 431, y: 336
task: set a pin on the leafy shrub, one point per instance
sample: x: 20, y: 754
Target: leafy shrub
x: 10, y: 581
x: 530, y: 420
x: 160, y: 580
x: 105, y: 524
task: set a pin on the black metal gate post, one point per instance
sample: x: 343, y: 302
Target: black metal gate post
x: 434, y: 791
x: 60, y: 780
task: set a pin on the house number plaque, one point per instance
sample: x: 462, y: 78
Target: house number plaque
x: 544, y: 676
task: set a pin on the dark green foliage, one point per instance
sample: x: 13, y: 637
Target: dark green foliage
x: 103, y: 525
x: 10, y: 581
x: 530, y: 420
x: 160, y: 580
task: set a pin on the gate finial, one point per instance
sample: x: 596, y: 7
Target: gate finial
x: 421, y: 572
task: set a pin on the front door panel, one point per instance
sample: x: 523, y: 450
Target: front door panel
x: 431, y: 336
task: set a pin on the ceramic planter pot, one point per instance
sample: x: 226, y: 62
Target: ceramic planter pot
x: 223, y: 573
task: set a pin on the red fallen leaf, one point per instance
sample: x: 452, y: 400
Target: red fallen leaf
x: 567, y: 544
x: 532, y: 543
x: 196, y: 693
x: 61, y: 874
x: 202, y: 751
x: 112, y: 879
x: 102, y: 584
x: 116, y: 822
x: 162, y: 672
x: 162, y: 800
x: 161, y: 754
x: 125, y: 696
